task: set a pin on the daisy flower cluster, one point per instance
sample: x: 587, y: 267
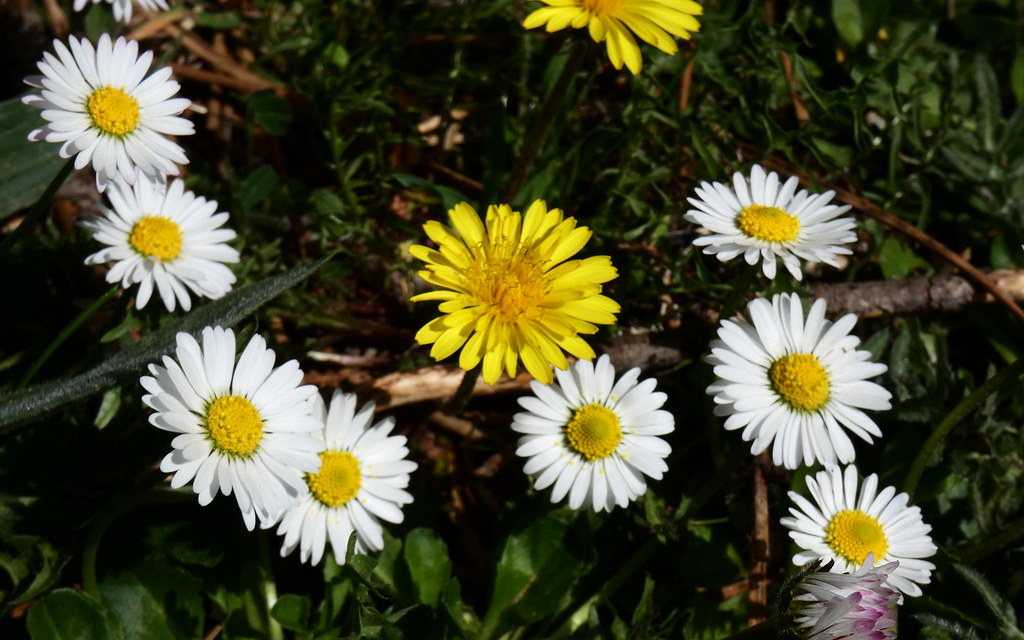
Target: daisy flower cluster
x: 248, y: 428
x: 796, y: 382
x: 105, y: 108
x: 511, y: 289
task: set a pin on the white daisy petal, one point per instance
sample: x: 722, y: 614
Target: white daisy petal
x: 228, y: 446
x: 848, y: 527
x: 594, y: 438
x: 794, y: 382
x: 360, y: 481
x: 764, y: 222
x: 93, y: 101
x: 157, y: 239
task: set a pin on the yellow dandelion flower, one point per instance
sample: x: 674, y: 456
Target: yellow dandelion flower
x: 612, y: 21
x: 509, y: 290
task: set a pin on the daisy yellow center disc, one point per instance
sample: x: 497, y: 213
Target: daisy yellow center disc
x: 234, y: 425
x: 113, y: 111
x: 510, y: 286
x: 156, y: 237
x: 603, y: 6
x: 339, y: 478
x: 594, y: 431
x: 800, y: 381
x: 852, y: 535
x: 768, y: 224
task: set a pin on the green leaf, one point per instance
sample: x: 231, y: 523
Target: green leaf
x: 155, y: 601
x: 66, y: 614
x: 27, y: 167
x: 1017, y: 76
x: 846, y: 14
x: 536, y: 572
x: 32, y: 564
x: 256, y: 187
x: 109, y: 406
x: 459, y: 614
x: 99, y: 19
x: 271, y: 113
x: 34, y: 402
x: 897, y: 259
x: 427, y: 557
x: 292, y: 611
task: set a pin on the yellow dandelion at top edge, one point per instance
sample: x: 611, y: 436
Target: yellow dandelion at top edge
x: 509, y: 291
x: 614, y: 22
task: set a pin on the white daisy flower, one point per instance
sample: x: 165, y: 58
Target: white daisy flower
x: 845, y: 526
x: 765, y: 222
x: 361, y: 481
x: 169, y: 239
x: 97, y: 103
x: 245, y: 428
x: 796, y: 383
x: 123, y: 8
x: 593, y: 438
x: 846, y: 606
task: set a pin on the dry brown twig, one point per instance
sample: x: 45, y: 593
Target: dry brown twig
x: 897, y: 224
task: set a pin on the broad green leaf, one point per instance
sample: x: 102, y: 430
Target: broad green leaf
x: 155, y: 601
x: 292, y: 611
x: 536, y: 572
x: 36, y: 401
x: 66, y: 614
x: 459, y: 614
x: 846, y: 14
x: 27, y: 167
x: 427, y: 557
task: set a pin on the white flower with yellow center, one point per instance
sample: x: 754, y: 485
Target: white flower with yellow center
x: 169, y: 240
x: 763, y: 221
x: 593, y: 438
x: 102, y: 107
x: 845, y: 525
x: 796, y: 383
x: 362, y: 480
x: 244, y: 428
x: 123, y: 8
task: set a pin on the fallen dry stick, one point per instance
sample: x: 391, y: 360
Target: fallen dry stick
x: 435, y: 382
x: 916, y: 295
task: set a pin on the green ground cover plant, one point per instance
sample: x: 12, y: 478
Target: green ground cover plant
x: 337, y: 136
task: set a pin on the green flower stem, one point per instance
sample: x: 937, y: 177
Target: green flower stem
x: 993, y: 384
x: 274, y: 630
x: 37, y: 209
x: 464, y: 392
x: 68, y: 330
x: 540, y: 128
